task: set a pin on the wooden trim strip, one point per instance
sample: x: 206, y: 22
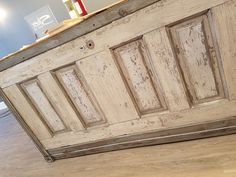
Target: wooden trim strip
x: 94, y: 22
x: 193, y: 132
x: 26, y: 128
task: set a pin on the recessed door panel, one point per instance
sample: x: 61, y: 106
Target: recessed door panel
x: 132, y: 60
x: 198, y: 60
x: 44, y: 107
x: 81, y: 96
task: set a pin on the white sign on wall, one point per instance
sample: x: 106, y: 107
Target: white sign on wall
x: 41, y: 20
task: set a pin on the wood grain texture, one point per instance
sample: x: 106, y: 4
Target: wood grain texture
x: 200, y: 158
x: 59, y: 101
x: 166, y: 67
x: 224, y: 22
x: 197, y: 58
x: 142, y: 50
x: 129, y: 27
x: 81, y: 96
x: 132, y: 59
x: 44, y: 107
x: 102, y: 75
x: 25, y: 109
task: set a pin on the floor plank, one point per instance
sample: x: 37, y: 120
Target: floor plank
x: 206, y: 158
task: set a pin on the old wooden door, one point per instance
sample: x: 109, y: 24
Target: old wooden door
x: 169, y: 65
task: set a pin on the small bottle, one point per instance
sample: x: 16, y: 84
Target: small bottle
x: 72, y: 11
x: 79, y: 6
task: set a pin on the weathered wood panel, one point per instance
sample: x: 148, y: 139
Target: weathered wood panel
x: 59, y: 101
x: 130, y: 27
x: 102, y: 75
x: 81, y: 96
x: 158, y: 69
x: 166, y: 67
x: 25, y: 109
x: 197, y: 58
x: 224, y: 23
x: 43, y: 106
x: 132, y: 60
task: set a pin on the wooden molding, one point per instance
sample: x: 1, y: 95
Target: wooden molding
x: 192, y: 132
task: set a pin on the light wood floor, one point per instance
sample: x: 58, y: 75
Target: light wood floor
x: 215, y: 157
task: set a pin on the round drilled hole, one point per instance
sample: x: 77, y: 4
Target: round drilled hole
x: 90, y: 44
